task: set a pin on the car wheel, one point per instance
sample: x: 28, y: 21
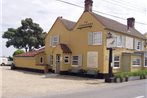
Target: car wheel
x: 3, y: 64
x: 13, y: 67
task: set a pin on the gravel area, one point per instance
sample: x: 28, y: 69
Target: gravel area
x: 24, y: 84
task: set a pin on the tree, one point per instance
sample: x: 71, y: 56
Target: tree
x: 29, y: 35
x: 18, y: 52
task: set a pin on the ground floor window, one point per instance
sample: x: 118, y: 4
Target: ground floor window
x: 41, y: 60
x: 75, y: 60
x: 92, y: 59
x: 66, y: 59
x: 136, y: 61
x: 50, y: 59
x: 116, y: 61
x: 145, y: 61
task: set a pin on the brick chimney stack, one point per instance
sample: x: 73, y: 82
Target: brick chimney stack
x: 88, y: 5
x: 130, y: 23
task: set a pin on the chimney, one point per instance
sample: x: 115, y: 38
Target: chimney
x: 130, y: 23
x: 88, y: 5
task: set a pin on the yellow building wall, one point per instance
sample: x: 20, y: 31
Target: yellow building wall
x: 29, y: 62
x: 77, y: 41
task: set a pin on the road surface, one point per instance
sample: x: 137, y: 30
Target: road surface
x: 131, y: 89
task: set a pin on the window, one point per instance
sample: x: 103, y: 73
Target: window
x: 92, y: 59
x: 66, y: 59
x: 145, y: 62
x: 119, y: 40
x: 75, y: 60
x: 139, y: 45
x: 95, y: 38
x: 54, y: 40
x: 50, y: 59
x: 116, y: 61
x: 136, y: 61
x: 41, y: 60
x: 129, y: 43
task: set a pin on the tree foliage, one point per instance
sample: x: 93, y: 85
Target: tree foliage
x: 18, y: 52
x: 29, y: 35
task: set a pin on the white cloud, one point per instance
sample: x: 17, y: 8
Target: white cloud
x: 45, y: 12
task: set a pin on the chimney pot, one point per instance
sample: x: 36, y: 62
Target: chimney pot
x: 88, y: 5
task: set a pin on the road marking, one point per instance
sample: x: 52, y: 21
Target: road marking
x: 139, y: 97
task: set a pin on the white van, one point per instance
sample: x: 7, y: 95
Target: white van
x: 5, y: 61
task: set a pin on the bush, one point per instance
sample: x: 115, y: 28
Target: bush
x: 18, y: 52
x: 140, y: 73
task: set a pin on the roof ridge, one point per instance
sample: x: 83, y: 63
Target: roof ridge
x: 67, y: 23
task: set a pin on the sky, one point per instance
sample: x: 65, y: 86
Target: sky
x: 45, y: 12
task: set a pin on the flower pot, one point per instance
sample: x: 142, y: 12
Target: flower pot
x: 118, y: 80
x: 126, y: 79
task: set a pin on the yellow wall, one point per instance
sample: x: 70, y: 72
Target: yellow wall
x: 77, y: 41
x: 29, y: 62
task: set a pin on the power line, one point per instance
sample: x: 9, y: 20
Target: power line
x: 124, y: 5
x: 98, y: 11
x: 128, y: 4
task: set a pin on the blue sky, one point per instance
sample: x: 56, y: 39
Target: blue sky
x: 45, y: 13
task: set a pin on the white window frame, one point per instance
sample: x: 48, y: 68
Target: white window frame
x: 54, y: 40
x: 119, y: 41
x: 116, y: 61
x: 67, y: 57
x: 135, y: 60
x: 139, y: 45
x: 79, y: 61
x: 73, y: 60
x: 95, y: 38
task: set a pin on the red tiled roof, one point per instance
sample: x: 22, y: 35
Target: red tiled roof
x: 31, y: 54
x: 65, y: 48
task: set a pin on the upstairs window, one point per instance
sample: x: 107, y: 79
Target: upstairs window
x: 95, y: 38
x: 139, y: 45
x: 120, y: 41
x: 129, y: 43
x: 54, y: 40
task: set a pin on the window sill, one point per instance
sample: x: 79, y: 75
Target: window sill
x: 136, y: 65
x: 75, y: 65
x: 66, y: 63
x: 116, y: 67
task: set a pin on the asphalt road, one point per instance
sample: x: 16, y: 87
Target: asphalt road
x: 131, y: 89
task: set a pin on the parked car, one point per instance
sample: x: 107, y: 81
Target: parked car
x: 5, y: 61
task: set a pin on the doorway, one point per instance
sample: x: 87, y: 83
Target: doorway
x: 58, y: 62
